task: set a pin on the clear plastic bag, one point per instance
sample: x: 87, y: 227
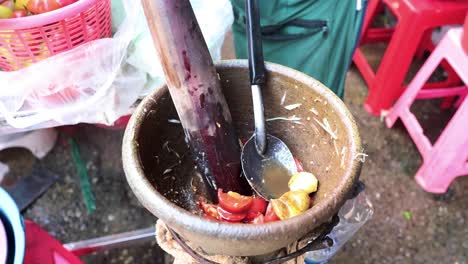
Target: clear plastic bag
x: 214, y: 18
x: 353, y: 215
x: 99, y: 81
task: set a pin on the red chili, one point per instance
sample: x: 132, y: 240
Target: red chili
x: 298, y: 165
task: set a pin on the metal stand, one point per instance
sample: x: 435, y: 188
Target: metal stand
x: 86, y: 247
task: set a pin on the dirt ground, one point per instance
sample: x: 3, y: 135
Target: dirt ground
x: 436, y: 233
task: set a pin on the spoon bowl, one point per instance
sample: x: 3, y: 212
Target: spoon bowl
x: 268, y: 173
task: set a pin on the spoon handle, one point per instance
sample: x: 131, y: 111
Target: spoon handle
x: 256, y: 70
x: 254, y: 36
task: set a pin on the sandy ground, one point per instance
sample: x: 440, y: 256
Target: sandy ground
x: 436, y: 232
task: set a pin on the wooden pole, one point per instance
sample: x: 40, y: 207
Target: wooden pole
x: 196, y: 92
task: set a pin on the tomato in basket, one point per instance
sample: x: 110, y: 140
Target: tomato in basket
x: 19, y: 13
x: 42, y: 6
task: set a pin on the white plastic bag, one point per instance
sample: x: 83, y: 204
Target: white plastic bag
x: 99, y: 81
x: 214, y: 18
x: 353, y: 215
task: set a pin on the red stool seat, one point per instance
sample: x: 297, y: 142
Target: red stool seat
x: 465, y: 35
x: 416, y: 20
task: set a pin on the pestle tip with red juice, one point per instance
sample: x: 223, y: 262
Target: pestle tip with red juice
x: 196, y: 92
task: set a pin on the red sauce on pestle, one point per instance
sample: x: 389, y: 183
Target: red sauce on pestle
x: 195, y: 89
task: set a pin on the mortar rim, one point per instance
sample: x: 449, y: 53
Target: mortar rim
x: 179, y: 218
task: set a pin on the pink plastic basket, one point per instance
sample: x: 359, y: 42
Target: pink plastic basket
x: 26, y: 40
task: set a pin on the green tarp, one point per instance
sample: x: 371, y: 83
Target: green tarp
x: 317, y: 37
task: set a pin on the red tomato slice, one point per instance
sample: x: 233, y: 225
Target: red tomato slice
x: 230, y: 217
x: 258, y: 205
x: 42, y: 6
x: 298, y: 165
x: 19, y: 13
x: 251, y: 216
x: 210, y: 210
x: 234, y: 202
x: 270, y: 215
x: 260, y: 219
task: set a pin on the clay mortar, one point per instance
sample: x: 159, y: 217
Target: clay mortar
x: 163, y: 184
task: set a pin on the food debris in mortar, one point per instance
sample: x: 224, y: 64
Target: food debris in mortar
x: 236, y: 208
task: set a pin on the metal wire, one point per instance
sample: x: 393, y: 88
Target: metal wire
x: 190, y: 251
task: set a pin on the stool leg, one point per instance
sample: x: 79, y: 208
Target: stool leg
x: 448, y: 156
x: 363, y: 66
x: 359, y: 60
x: 452, y: 80
x: 372, y: 8
x: 459, y: 61
x: 425, y: 45
x: 408, y: 97
x: 387, y: 85
x: 461, y: 99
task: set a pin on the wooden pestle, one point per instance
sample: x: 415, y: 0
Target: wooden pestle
x: 195, y: 89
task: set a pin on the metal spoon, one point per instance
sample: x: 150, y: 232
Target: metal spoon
x: 266, y: 160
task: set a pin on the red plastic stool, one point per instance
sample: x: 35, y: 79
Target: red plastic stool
x: 448, y: 157
x: 465, y: 35
x: 41, y: 248
x: 416, y: 20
